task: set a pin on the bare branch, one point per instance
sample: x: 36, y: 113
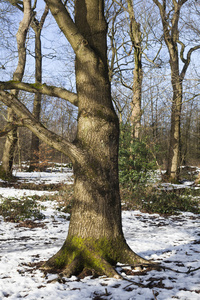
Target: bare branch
x: 70, y: 30
x: 49, y: 137
x: 45, y: 13
x: 182, y: 51
x: 7, y: 129
x: 187, y: 61
x: 42, y: 89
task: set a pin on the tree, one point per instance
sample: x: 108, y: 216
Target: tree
x: 170, y: 17
x: 11, y: 140
x: 37, y: 27
x: 95, y: 238
x: 136, y: 39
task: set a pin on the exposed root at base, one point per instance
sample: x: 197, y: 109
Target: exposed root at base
x: 99, y: 257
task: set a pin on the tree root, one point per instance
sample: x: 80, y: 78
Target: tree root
x: 99, y: 256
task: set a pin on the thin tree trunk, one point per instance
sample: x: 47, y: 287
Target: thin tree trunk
x: 137, y: 92
x: 9, y: 148
x: 35, y: 142
x: 34, y: 160
x: 174, y: 147
x: 171, y: 38
x: 11, y: 140
x: 135, y: 34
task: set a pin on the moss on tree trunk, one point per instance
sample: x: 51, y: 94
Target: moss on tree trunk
x: 100, y: 256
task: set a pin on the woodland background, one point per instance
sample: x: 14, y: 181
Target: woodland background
x: 156, y: 89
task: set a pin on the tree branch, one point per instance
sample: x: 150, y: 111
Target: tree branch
x: 42, y: 89
x: 9, y: 126
x: 45, y: 13
x: 66, y: 24
x: 26, y: 119
x: 182, y: 51
x: 187, y: 61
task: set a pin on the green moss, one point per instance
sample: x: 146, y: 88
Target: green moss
x: 14, y: 81
x: 99, y: 256
x: 60, y: 262
x: 36, y: 85
x: 91, y: 251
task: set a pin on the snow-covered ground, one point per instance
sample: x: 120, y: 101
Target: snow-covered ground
x: 174, y: 242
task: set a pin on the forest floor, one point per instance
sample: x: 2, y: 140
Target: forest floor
x: 172, y: 241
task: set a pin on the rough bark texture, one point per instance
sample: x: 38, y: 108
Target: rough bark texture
x: 11, y: 140
x: 95, y: 237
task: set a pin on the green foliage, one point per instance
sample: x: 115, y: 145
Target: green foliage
x: 170, y: 203
x: 15, y: 210
x: 136, y: 161
x: 151, y: 200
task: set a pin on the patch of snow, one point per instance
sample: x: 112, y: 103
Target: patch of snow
x: 173, y: 242
x: 45, y: 177
x: 18, y: 193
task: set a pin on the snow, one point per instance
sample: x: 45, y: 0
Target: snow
x: 173, y: 242
x: 45, y: 177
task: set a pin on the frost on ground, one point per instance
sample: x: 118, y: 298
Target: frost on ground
x: 174, y: 242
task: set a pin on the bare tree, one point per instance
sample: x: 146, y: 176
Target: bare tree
x: 37, y: 27
x: 170, y: 17
x: 95, y: 238
x: 11, y: 140
x: 136, y: 39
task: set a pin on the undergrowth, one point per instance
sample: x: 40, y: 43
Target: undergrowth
x: 163, y: 202
x: 15, y: 210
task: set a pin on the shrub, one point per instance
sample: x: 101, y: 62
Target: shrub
x: 169, y: 203
x: 151, y: 200
x: 136, y: 161
x: 15, y: 210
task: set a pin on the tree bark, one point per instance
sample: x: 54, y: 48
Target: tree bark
x: 95, y: 238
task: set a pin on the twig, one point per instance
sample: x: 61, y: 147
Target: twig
x: 154, y: 295
x: 160, y: 267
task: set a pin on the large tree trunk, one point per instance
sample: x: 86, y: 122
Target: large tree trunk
x: 95, y: 239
